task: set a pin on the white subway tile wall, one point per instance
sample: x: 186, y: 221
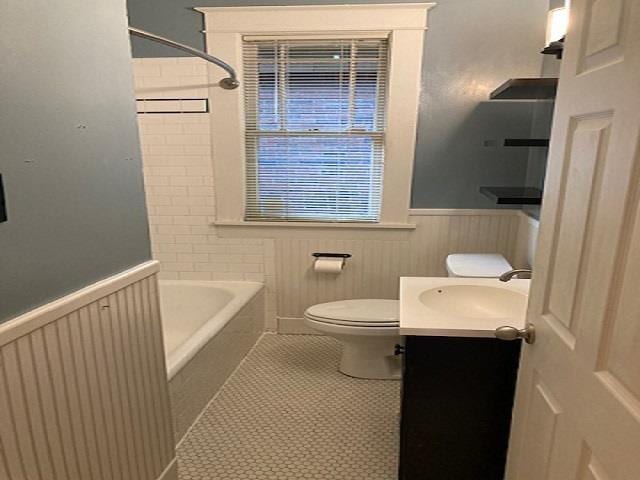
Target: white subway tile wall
x: 178, y: 174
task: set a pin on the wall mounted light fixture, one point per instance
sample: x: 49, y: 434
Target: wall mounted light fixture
x: 557, y: 23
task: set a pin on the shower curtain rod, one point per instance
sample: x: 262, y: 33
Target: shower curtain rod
x: 228, y: 83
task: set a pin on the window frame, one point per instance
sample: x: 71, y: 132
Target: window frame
x: 404, y: 24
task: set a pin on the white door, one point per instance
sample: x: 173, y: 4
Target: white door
x: 577, y: 413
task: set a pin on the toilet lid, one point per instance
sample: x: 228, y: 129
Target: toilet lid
x: 478, y: 265
x: 362, y: 313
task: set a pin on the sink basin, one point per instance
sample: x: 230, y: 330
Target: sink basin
x: 461, y: 307
x: 475, y: 301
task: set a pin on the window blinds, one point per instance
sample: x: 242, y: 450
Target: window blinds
x: 315, y: 120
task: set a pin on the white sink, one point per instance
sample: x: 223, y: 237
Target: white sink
x: 461, y: 307
x: 475, y: 301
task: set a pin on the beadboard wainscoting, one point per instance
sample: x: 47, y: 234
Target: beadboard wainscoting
x: 527, y: 240
x: 376, y: 265
x: 83, y: 386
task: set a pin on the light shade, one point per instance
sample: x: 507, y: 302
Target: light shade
x: 557, y: 22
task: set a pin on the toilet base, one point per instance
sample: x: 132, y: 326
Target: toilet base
x: 367, y: 352
x: 370, y: 357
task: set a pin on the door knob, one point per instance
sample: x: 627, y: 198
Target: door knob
x: 528, y: 333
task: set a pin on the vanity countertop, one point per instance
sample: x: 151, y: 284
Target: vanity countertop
x: 461, y: 307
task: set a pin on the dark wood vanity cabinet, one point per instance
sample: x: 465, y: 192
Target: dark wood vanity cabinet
x: 457, y: 398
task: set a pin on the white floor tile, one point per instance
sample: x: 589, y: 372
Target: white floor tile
x: 287, y: 413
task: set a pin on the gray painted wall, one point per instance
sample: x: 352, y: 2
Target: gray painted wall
x: 69, y: 150
x: 472, y: 46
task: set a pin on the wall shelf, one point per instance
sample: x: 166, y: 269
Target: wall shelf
x: 526, y: 142
x: 526, y: 89
x: 513, y: 195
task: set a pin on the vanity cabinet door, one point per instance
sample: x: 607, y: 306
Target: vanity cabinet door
x: 457, y: 397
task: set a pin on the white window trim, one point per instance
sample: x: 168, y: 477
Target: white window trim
x: 405, y: 23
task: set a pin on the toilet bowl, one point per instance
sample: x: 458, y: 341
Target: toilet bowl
x: 368, y: 329
x: 368, y: 332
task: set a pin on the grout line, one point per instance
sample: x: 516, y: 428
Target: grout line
x: 221, y: 388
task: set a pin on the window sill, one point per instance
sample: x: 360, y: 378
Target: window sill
x: 230, y: 228
x: 376, y: 226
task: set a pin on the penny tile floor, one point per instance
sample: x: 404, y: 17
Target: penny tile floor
x: 287, y: 413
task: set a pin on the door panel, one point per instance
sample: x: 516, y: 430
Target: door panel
x: 590, y: 468
x: 544, y: 413
x: 619, y: 355
x: 577, y: 413
x: 586, y: 151
x: 604, y: 33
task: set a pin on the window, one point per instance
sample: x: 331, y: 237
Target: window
x: 321, y: 132
x: 315, y: 119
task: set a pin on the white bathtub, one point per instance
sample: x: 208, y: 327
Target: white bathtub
x: 193, y: 312
x: 209, y: 327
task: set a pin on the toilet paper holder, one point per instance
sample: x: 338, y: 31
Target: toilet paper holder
x: 334, y: 255
x: 329, y: 262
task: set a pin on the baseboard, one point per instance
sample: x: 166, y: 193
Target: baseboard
x: 294, y: 326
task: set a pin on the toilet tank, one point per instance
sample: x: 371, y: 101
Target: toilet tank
x: 477, y: 265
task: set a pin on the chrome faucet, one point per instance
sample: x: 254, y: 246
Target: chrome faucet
x: 506, y: 276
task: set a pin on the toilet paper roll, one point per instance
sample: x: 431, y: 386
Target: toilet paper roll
x: 328, y: 265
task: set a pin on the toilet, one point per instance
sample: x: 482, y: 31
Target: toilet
x: 368, y: 329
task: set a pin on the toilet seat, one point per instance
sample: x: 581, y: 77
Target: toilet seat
x: 356, y: 313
